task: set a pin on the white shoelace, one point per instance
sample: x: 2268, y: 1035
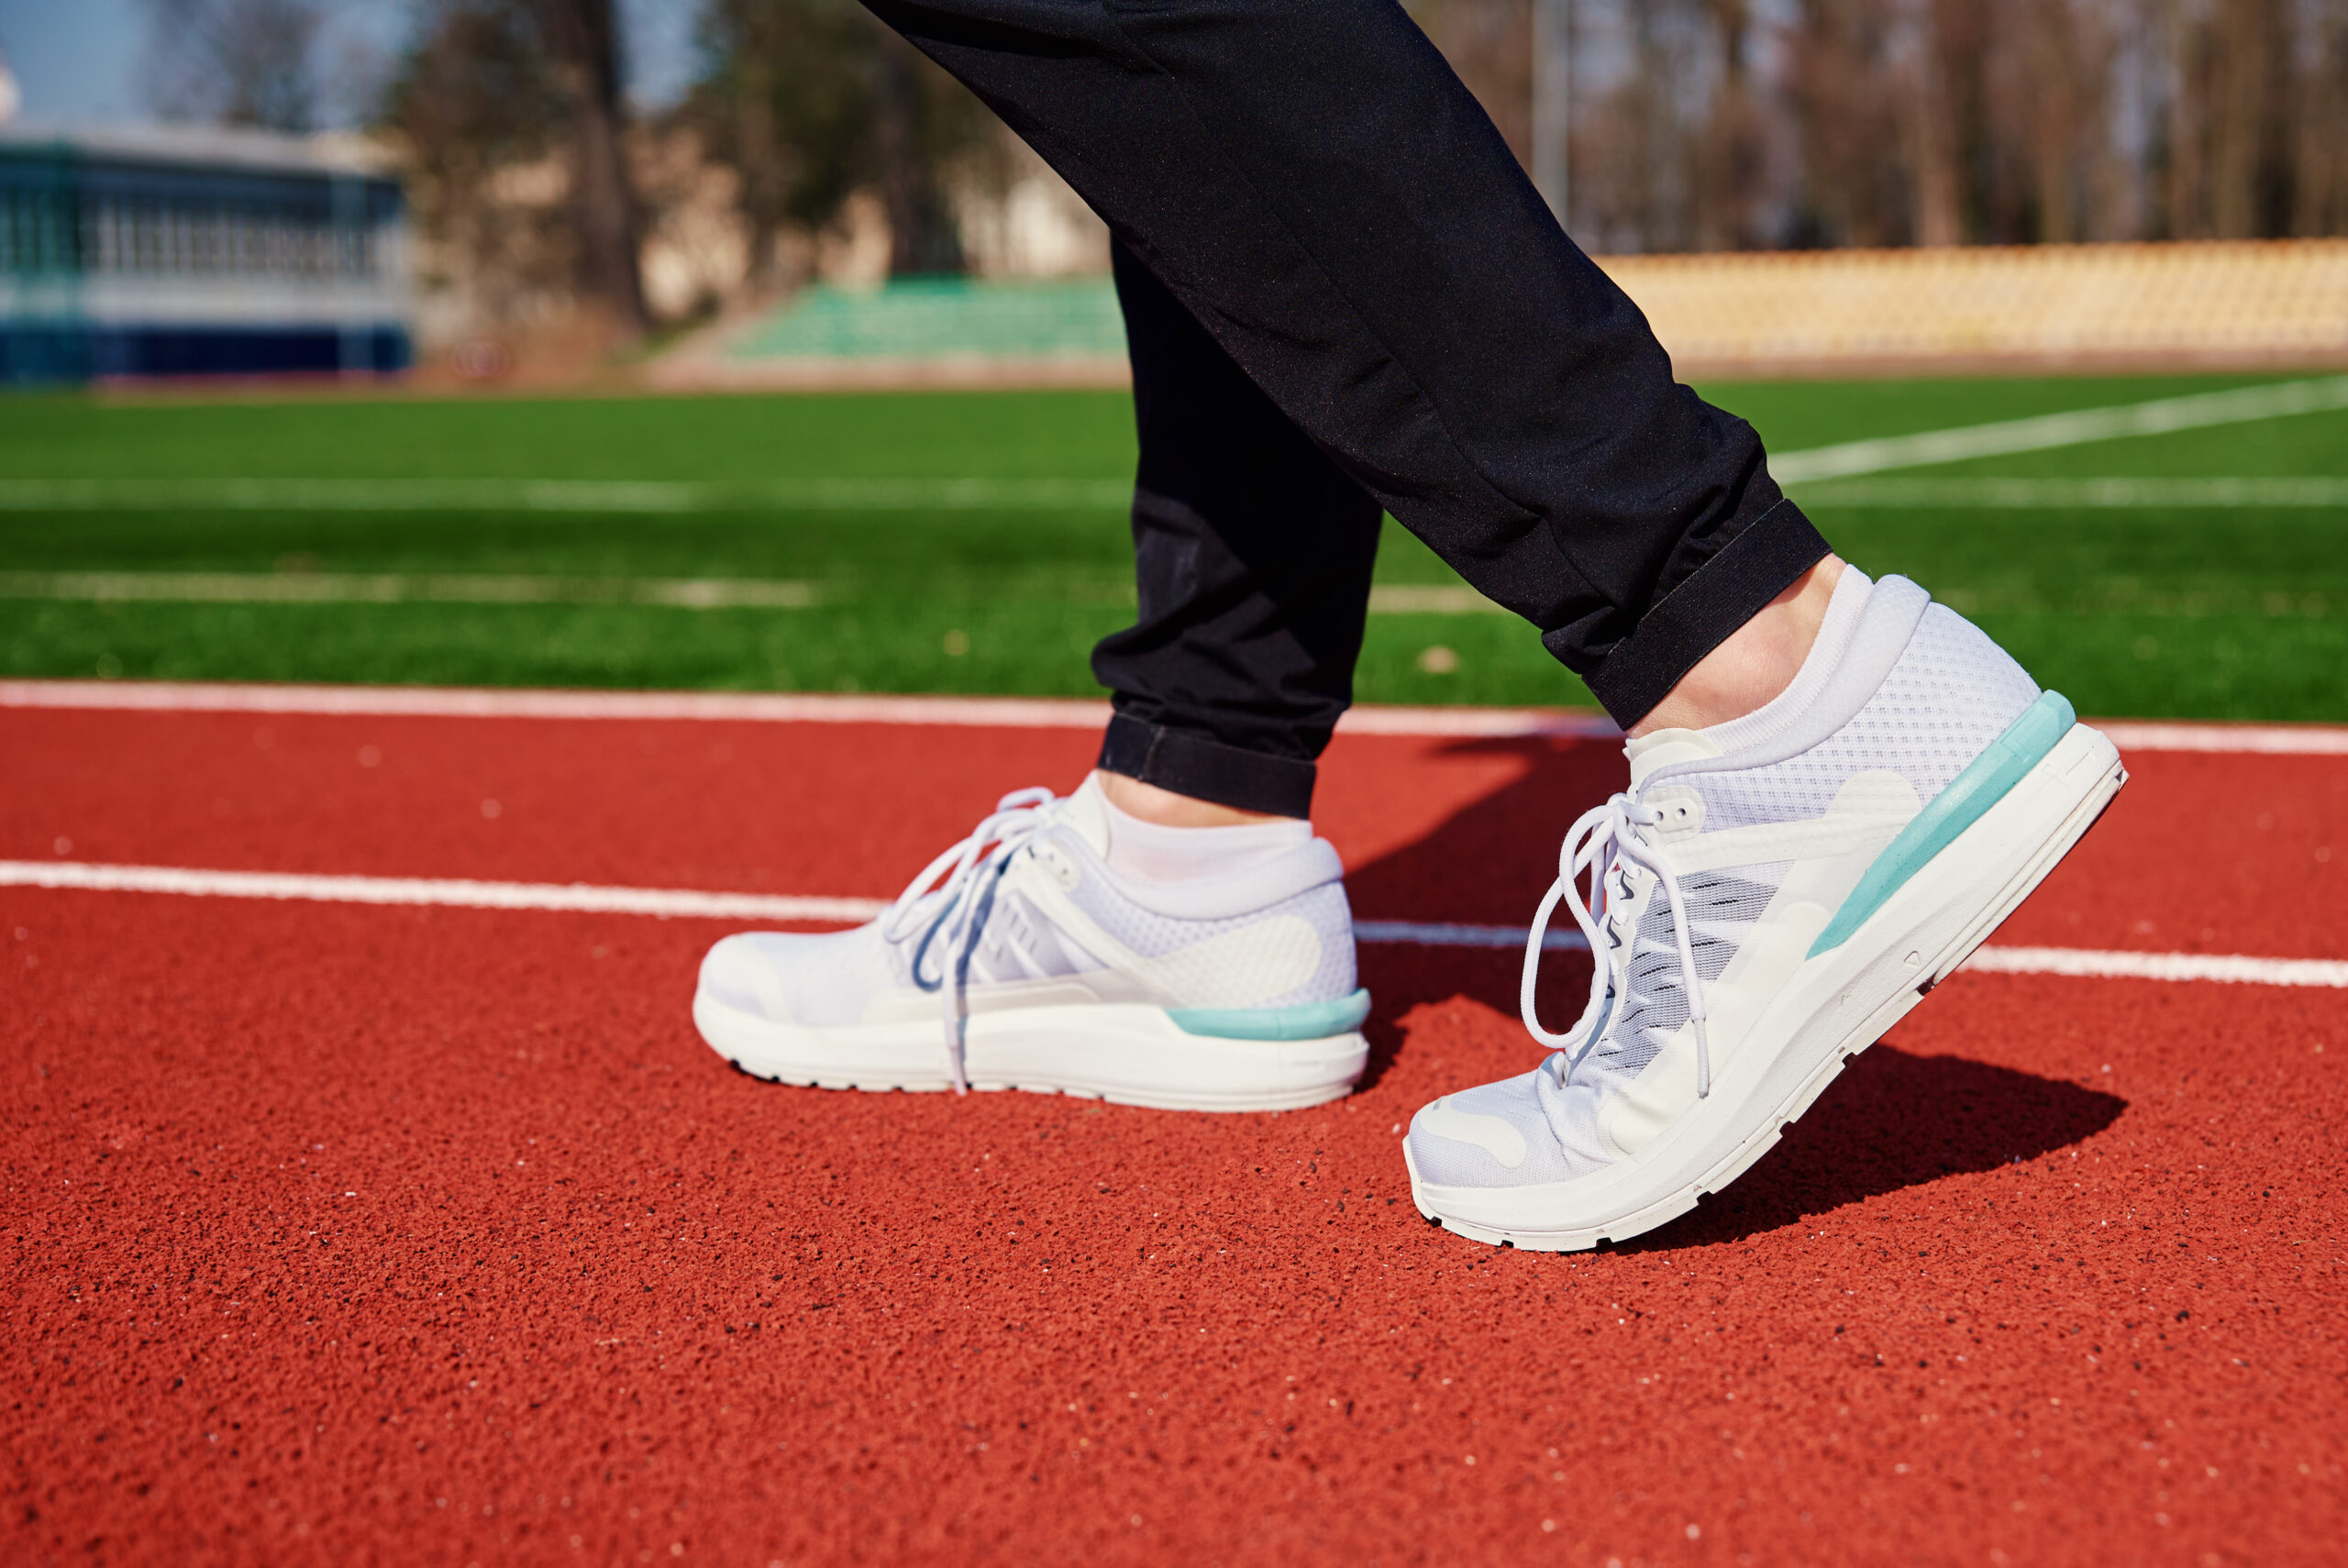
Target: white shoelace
x: 971, y: 869
x: 1604, y: 834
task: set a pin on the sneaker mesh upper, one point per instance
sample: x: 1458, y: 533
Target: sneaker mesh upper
x: 1951, y: 693
x: 1154, y: 935
x: 1721, y: 904
x: 829, y: 979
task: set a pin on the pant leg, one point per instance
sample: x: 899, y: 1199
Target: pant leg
x: 1252, y: 557
x: 1311, y: 180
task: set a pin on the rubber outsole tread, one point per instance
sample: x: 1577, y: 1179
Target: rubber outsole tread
x: 1309, y: 1079
x: 1106, y: 1098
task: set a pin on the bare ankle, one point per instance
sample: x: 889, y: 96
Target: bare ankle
x: 1167, y: 809
x: 1756, y: 661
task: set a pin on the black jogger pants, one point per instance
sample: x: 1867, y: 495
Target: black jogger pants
x: 1342, y: 293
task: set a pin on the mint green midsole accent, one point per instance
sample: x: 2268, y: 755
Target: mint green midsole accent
x: 1305, y: 1020
x: 1981, y: 786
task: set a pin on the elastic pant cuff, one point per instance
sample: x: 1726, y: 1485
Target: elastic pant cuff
x: 1734, y: 586
x: 1190, y: 763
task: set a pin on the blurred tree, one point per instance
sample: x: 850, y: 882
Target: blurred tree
x: 234, y: 62
x: 2320, y: 175
x: 474, y: 99
x: 1714, y: 124
x: 1489, y: 44
x: 814, y: 100
x: 583, y: 44
x: 1733, y: 154
x: 489, y: 86
x: 1844, y: 97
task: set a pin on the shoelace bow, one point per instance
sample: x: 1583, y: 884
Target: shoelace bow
x: 1604, y: 834
x: 971, y: 870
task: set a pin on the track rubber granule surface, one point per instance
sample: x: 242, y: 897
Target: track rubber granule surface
x: 342, y: 1234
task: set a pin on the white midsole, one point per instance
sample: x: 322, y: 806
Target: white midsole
x: 1128, y: 1052
x: 1837, y: 1003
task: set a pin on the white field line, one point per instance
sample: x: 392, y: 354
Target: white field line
x: 2083, y: 494
x: 667, y: 902
x: 390, y: 588
x: 984, y: 713
x: 2073, y: 428
x: 644, y: 496
x: 1430, y: 599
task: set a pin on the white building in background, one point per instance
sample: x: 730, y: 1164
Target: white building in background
x: 180, y: 251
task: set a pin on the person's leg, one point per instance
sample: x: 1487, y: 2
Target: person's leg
x: 1252, y: 557
x: 1754, y: 663
x: 1313, y: 183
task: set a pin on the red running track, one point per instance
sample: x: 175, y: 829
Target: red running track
x: 432, y: 1235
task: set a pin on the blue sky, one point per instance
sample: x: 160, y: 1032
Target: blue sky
x: 79, y: 60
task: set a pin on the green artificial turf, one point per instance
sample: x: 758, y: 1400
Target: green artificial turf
x: 2232, y: 613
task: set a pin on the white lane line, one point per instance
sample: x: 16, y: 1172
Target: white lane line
x: 665, y: 902
x: 789, y: 708
x: 2083, y: 494
x: 2073, y: 428
x: 2075, y: 962
x: 1473, y: 723
x: 398, y: 588
x: 2228, y: 967
x: 577, y: 897
x: 1420, y: 933
x: 642, y: 496
x: 983, y: 712
x: 474, y: 702
x: 2266, y: 740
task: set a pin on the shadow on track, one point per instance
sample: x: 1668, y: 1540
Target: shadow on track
x: 1895, y: 1120
x: 1892, y: 1121
x: 1489, y: 862
x: 1486, y: 864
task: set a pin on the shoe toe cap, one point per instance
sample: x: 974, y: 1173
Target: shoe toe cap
x: 744, y: 972
x: 1494, y: 1135
x: 810, y: 979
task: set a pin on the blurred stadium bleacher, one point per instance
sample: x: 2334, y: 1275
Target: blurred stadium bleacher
x: 2252, y: 304
x: 2016, y: 309
x: 921, y: 332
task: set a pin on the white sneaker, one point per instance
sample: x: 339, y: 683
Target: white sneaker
x: 1019, y: 960
x: 1771, y: 895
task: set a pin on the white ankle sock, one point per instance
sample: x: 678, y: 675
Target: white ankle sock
x: 1149, y: 852
x: 1826, y: 651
